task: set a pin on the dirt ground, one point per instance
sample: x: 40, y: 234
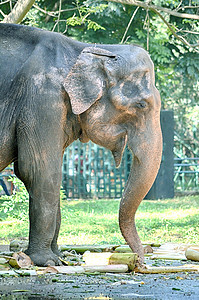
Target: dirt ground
x: 103, y: 286
x: 107, y: 286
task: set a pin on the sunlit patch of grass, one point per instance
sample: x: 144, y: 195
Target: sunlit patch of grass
x: 174, y: 220
x: 90, y: 222
x: 96, y: 221
x: 13, y: 229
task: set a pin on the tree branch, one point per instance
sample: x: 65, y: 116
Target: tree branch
x: 49, y: 13
x: 129, y: 24
x: 19, y: 11
x: 185, y: 7
x: 3, y: 2
x: 2, y: 13
x: 191, y: 32
x: 58, y: 18
x: 52, y: 13
x: 156, y: 8
x: 183, y: 40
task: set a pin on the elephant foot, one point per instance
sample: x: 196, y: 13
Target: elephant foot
x: 140, y: 265
x: 57, y: 252
x: 44, y: 258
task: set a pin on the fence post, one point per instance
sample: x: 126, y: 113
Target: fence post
x: 163, y: 186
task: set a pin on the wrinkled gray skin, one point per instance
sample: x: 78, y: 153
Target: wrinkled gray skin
x: 54, y: 90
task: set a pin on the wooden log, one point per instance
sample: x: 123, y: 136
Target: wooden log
x: 168, y: 256
x: 84, y: 269
x: 196, y: 248
x: 123, y: 249
x: 127, y: 249
x: 16, y: 246
x: 129, y: 259
x: 192, y: 254
x: 152, y: 244
x: 105, y: 248
x: 20, y: 260
x: 109, y: 258
x: 171, y: 247
x: 172, y: 269
x: 119, y: 268
x: 61, y: 270
x: 83, y: 248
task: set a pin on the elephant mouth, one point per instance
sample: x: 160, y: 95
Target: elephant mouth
x: 119, y: 150
x: 83, y: 136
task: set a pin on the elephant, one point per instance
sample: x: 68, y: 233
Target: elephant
x: 55, y: 90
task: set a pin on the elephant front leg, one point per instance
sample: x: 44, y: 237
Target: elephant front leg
x: 43, y: 210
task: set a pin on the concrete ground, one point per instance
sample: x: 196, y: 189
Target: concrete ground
x: 102, y: 286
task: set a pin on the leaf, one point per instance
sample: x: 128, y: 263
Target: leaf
x: 190, y: 70
x: 21, y: 291
x: 93, y: 25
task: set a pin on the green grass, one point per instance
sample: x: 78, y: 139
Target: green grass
x: 96, y: 221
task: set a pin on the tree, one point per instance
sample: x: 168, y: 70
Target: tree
x: 168, y: 29
x: 171, y: 12
x: 18, y: 12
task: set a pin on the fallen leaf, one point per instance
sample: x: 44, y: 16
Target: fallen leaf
x: 21, y: 291
x: 176, y: 289
x: 179, y: 278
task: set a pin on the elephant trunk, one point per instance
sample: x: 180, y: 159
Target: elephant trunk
x: 146, y: 146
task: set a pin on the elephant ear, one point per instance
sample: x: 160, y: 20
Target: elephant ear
x: 85, y: 81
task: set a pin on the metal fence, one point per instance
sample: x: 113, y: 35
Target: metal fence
x: 186, y: 174
x: 89, y: 171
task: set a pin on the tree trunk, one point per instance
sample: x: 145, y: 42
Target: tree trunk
x: 19, y: 11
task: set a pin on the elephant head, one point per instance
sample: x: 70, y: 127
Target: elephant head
x: 113, y: 92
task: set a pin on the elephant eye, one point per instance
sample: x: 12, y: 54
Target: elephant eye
x: 141, y: 104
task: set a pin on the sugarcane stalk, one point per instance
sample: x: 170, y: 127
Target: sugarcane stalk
x: 169, y: 269
x: 169, y: 256
x: 192, y: 254
x: 20, y: 260
x: 108, y: 258
x: 83, y: 248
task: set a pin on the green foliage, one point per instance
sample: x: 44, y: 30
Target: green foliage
x: 16, y: 205
x: 96, y: 221
x: 176, y: 64
x: 84, y: 12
